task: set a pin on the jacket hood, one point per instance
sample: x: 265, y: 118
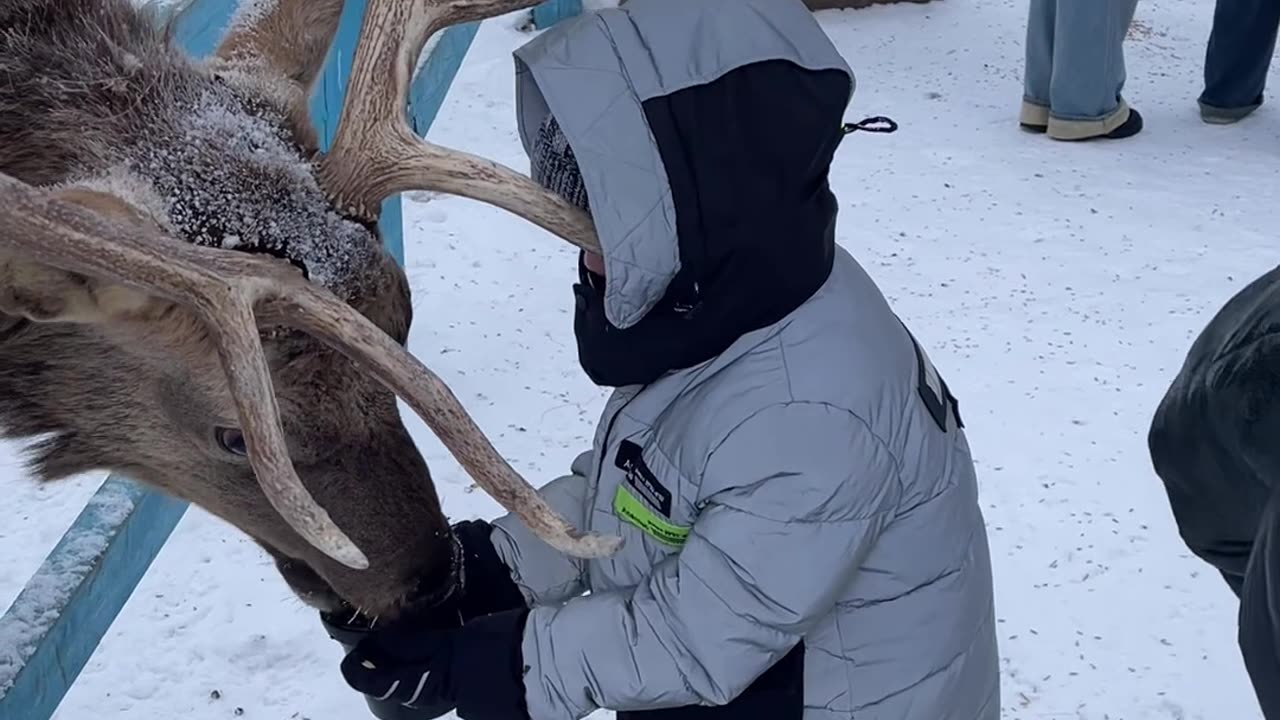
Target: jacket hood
x: 729, y: 110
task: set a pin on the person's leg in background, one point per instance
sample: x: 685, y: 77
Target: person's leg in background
x: 1237, y: 58
x: 1080, y: 95
x: 1038, y: 67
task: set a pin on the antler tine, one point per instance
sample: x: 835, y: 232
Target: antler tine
x: 220, y: 290
x: 375, y: 153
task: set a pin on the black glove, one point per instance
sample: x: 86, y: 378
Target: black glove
x: 487, y: 586
x: 425, y: 640
x: 477, y: 669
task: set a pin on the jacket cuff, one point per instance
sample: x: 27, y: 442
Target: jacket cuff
x: 487, y: 585
x: 488, y: 667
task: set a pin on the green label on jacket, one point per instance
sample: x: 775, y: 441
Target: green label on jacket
x: 630, y: 508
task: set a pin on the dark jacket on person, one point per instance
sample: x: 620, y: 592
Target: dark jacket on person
x: 1215, y: 444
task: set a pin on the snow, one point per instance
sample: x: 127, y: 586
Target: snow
x: 1057, y: 287
x: 46, y: 594
x: 35, y: 520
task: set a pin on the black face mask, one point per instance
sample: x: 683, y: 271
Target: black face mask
x: 687, y: 326
x: 638, y: 355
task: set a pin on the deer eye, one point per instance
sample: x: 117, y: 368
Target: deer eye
x: 232, y: 440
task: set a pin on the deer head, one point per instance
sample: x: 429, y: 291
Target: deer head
x: 192, y: 294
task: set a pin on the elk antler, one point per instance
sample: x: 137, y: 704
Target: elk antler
x: 375, y: 154
x: 224, y: 289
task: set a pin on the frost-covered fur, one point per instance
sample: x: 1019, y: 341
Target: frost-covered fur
x: 95, y: 94
x: 119, y: 99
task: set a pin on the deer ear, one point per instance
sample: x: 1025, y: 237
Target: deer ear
x: 288, y: 39
x: 46, y: 294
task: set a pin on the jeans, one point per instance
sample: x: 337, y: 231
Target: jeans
x: 1239, y: 54
x: 1075, y: 68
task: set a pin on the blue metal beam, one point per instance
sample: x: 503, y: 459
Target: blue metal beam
x: 431, y: 84
x: 553, y: 11
x: 58, y: 619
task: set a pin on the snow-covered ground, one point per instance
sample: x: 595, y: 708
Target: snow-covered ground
x: 1056, y: 285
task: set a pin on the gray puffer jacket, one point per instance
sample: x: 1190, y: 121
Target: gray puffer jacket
x: 809, y: 485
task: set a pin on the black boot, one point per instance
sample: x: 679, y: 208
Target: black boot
x: 1129, y: 128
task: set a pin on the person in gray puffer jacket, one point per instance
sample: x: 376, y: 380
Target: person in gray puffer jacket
x: 787, y: 467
